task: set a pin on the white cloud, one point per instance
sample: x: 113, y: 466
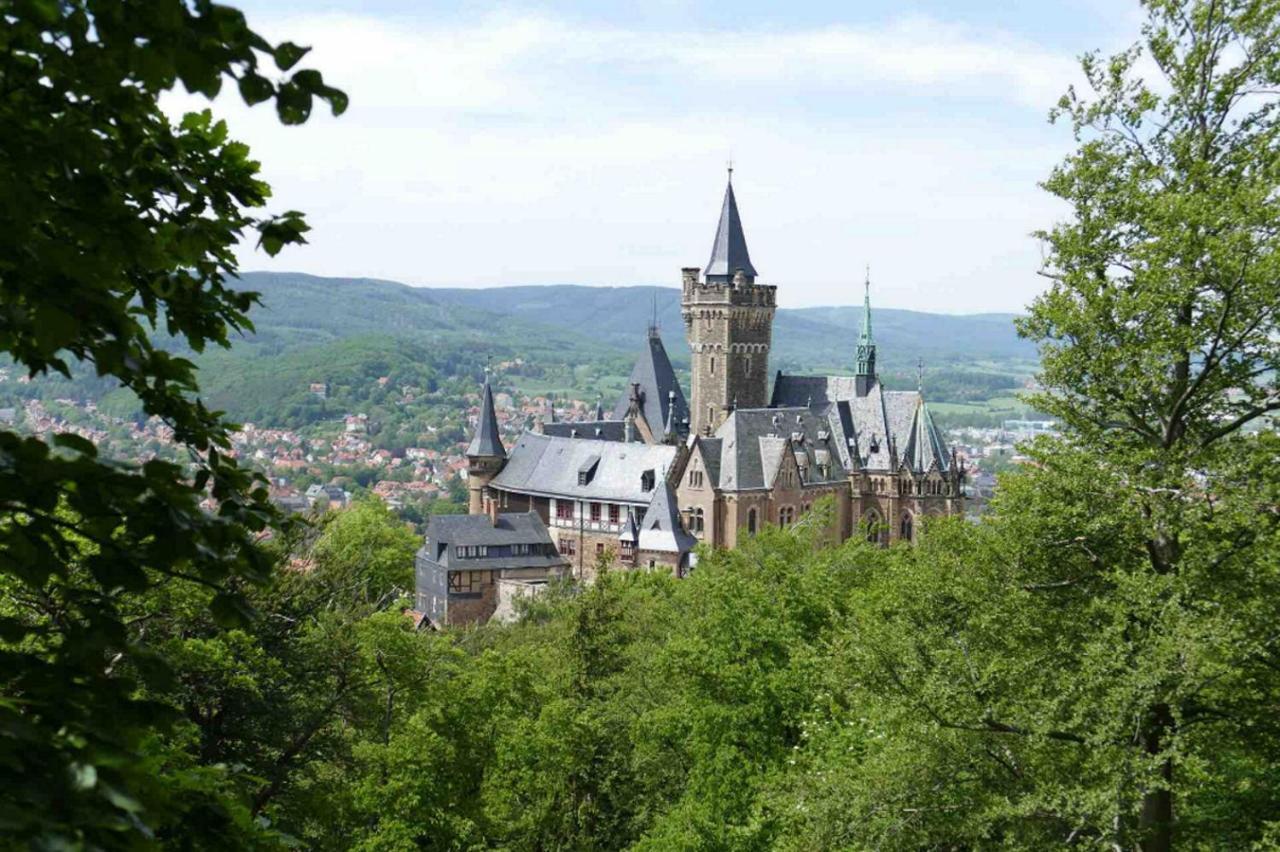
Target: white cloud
x: 521, y: 149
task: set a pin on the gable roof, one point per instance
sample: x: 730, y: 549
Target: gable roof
x: 548, y: 465
x: 445, y: 532
x: 882, y: 429
x: 657, y: 380
x: 487, y: 441
x: 661, y: 528
x: 729, y: 251
x: 753, y: 442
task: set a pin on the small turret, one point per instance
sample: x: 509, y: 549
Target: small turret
x: 485, y: 454
x: 865, y: 377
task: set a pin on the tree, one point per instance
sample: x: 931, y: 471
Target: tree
x: 1159, y: 334
x: 116, y: 224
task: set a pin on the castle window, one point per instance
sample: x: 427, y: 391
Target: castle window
x: 695, y: 479
x: 697, y: 520
x: 906, y: 530
x: 647, y: 481
x: 567, y: 547
x: 751, y: 521
x: 564, y: 510
x: 599, y: 549
x: 465, y: 582
x: 613, y: 513
x: 713, y: 365
x: 786, y: 515
x: 595, y: 513
x: 747, y: 365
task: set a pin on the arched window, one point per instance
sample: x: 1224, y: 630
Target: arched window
x: 786, y: 515
x: 905, y: 531
x: 697, y: 520
x: 751, y: 521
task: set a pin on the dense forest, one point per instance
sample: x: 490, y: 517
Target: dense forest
x: 1095, y: 664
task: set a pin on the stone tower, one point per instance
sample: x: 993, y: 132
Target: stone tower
x: 866, y: 373
x: 485, y: 454
x: 728, y: 320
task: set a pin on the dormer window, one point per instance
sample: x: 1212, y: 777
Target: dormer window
x: 647, y: 480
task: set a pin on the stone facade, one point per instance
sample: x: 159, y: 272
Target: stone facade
x: 730, y: 330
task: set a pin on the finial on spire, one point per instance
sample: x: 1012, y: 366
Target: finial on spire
x: 730, y: 166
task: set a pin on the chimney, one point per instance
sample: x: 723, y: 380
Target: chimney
x: 492, y: 506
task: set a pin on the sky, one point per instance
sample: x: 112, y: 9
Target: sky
x: 586, y: 143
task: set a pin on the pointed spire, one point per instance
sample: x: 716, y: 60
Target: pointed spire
x: 866, y: 371
x: 487, y: 441
x: 866, y: 337
x: 599, y: 415
x: 729, y: 251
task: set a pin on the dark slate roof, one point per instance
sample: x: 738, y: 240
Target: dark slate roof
x: 729, y: 251
x: 487, y: 441
x: 657, y: 380
x: 754, y: 442
x: 547, y: 465
x: 711, y: 449
x: 874, y: 426
x: 444, y: 532
x: 661, y: 528
x: 630, y: 529
x: 604, y: 430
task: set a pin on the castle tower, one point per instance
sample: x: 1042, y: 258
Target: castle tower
x: 728, y: 320
x: 865, y: 377
x: 485, y: 455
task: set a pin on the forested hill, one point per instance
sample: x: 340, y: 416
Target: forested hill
x: 616, y: 316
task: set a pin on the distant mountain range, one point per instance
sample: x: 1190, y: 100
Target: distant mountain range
x: 300, y: 307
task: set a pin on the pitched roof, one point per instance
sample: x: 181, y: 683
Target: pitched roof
x: 487, y: 441
x: 753, y: 443
x: 548, y: 465
x: 657, y: 380
x: 661, y: 528
x: 874, y: 426
x: 603, y: 430
x: 630, y: 529
x: 729, y: 251
x: 445, y: 532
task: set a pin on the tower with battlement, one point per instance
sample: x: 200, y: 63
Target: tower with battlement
x: 728, y: 320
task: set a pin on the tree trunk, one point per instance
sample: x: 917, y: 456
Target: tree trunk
x: 1155, y: 825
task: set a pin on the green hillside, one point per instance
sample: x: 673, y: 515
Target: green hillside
x: 350, y: 332
x: 804, y: 338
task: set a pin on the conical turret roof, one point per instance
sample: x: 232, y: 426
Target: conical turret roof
x: 487, y: 440
x: 729, y: 251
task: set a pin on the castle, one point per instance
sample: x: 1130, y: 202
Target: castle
x: 664, y: 472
